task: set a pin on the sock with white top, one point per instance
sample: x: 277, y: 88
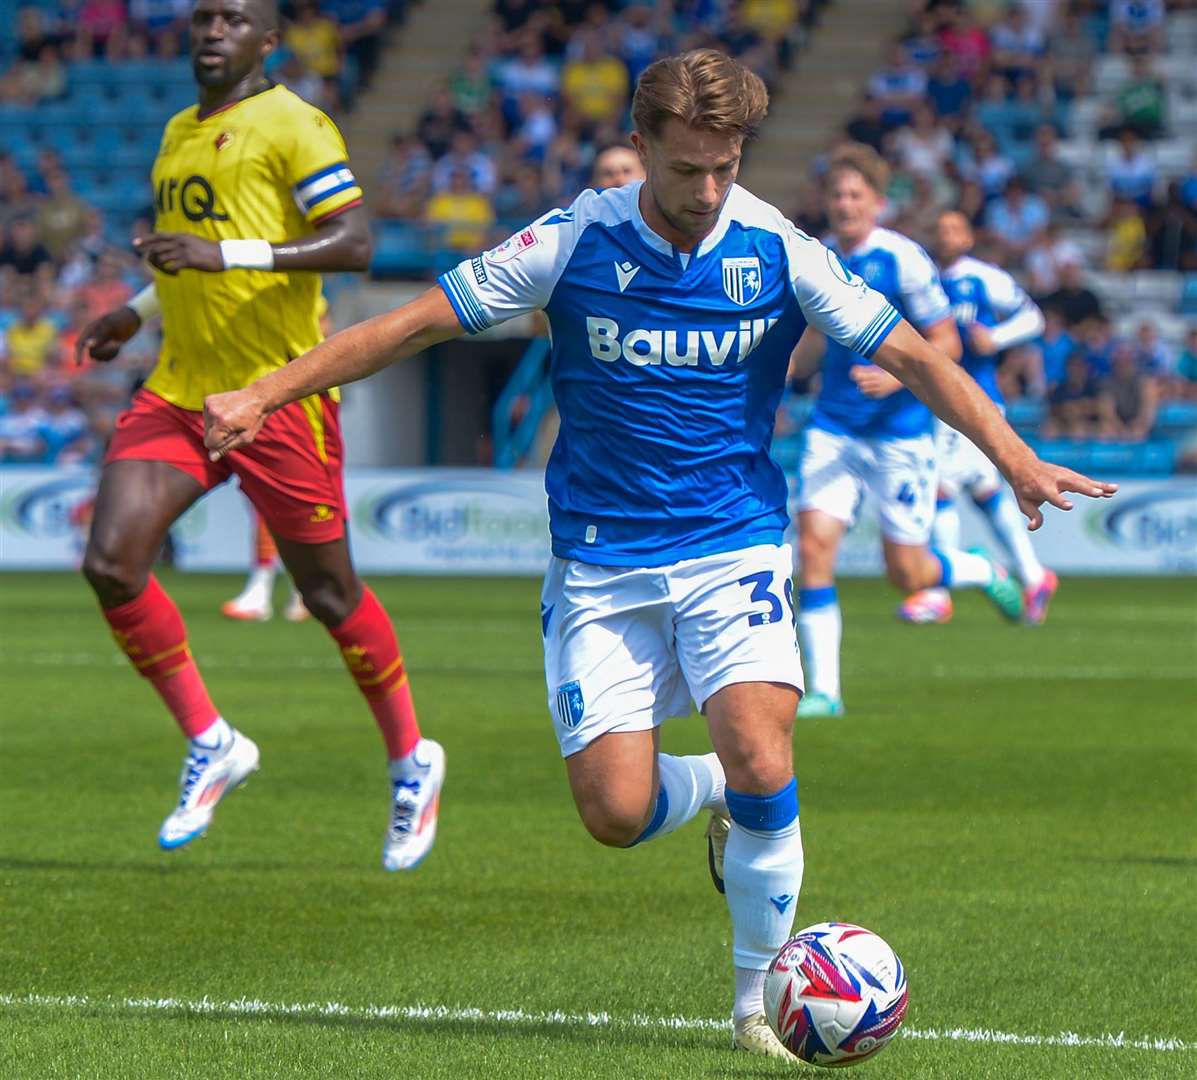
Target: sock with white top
x: 687, y: 786
x: 820, y: 628
x: 213, y: 737
x: 1009, y: 527
x: 963, y: 569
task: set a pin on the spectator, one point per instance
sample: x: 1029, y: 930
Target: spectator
x: 1036, y: 372
x: 866, y: 126
x: 21, y: 438
x: 462, y: 215
x: 1131, y: 169
x: 639, y: 39
x: 1050, y: 178
x: 1185, y: 382
x: 1015, y: 221
x: 1129, y: 399
x: 1098, y: 344
x: 1152, y: 356
x: 160, y: 19
x: 1172, y: 233
x: 537, y: 127
x: 289, y: 70
x: 1141, y: 102
x: 566, y: 168
x: 522, y: 201
x: 1075, y: 303
x: 948, y: 90
x: 1017, y: 44
x: 314, y: 39
x: 102, y: 21
x: 617, y: 165
x: 30, y: 342
x: 64, y: 428
x: 472, y: 87
x: 62, y: 216
x: 1074, y: 411
x: 440, y: 122
x: 1046, y: 256
x: 960, y: 36
x: 24, y: 252
x: 16, y: 200
x: 33, y: 81
x: 984, y: 163
x: 1126, y: 237
x: 1137, y: 25
x: 361, y: 23
x: 918, y: 215
x: 465, y: 157
x: 530, y: 71
x: 1072, y: 55
x: 899, y: 87
x: 925, y: 147
x: 595, y: 84
x: 922, y: 44
x: 405, y: 179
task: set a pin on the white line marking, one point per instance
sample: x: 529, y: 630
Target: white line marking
x: 206, y: 1006
x: 315, y: 663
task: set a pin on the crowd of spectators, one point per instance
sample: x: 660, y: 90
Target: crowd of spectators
x: 972, y: 109
x: 544, y: 88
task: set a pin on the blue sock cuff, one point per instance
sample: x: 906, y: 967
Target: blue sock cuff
x: 942, y: 502
x: 764, y: 813
x: 812, y: 599
x: 945, y: 568
x: 658, y: 817
x: 989, y: 504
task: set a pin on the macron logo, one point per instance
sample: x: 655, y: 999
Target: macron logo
x: 782, y: 902
x: 624, y: 272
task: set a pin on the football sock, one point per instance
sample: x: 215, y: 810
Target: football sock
x: 945, y: 531
x: 260, y: 582
x: 688, y: 785
x: 150, y: 632
x: 371, y: 653
x: 1009, y: 527
x: 819, y: 629
x: 963, y: 569
x: 762, y: 872
x: 217, y: 734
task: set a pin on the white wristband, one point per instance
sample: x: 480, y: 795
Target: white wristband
x: 145, y: 304
x: 247, y: 254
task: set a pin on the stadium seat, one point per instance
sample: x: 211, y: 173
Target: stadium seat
x: 400, y: 250
x: 1176, y: 418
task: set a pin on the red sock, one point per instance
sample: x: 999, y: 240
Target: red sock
x: 371, y: 653
x: 150, y: 632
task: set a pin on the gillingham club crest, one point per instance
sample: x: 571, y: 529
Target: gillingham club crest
x: 742, y: 279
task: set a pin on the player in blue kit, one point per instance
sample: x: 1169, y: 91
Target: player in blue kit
x: 869, y: 433
x: 674, y: 305
x: 993, y: 313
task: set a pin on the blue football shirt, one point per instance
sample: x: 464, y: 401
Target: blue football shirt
x: 667, y: 367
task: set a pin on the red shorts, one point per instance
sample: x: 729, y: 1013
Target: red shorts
x: 297, y: 489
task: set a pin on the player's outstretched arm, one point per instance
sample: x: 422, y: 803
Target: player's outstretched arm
x: 233, y: 419
x: 957, y: 399
x: 337, y: 243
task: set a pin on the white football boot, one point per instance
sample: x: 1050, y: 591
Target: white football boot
x: 207, y: 777
x: 754, y: 1035
x: 296, y: 610
x: 415, y: 802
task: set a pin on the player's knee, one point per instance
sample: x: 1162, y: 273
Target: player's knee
x: 812, y: 550
x: 612, y: 824
x: 328, y: 599
x: 905, y: 576
x: 113, y: 581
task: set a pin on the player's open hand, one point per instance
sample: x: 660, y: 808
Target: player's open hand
x: 1040, y: 482
x: 231, y: 421
x: 102, y: 338
x: 873, y: 381
x: 172, y: 252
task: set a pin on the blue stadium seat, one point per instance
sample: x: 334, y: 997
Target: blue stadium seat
x: 1176, y: 418
x: 400, y: 250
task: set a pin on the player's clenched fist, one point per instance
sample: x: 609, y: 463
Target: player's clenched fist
x: 172, y: 252
x: 231, y: 420
x: 102, y: 338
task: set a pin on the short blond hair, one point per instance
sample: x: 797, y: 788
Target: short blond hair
x: 863, y: 160
x: 704, y: 89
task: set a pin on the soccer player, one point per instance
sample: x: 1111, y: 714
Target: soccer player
x: 254, y: 197
x: 869, y: 433
x: 674, y: 306
x: 254, y: 603
x: 993, y: 313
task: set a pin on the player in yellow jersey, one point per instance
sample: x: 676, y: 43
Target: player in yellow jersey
x: 254, y: 198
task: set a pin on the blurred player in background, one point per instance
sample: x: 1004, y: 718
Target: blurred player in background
x: 992, y: 313
x: 254, y: 197
x: 675, y: 305
x: 615, y: 166
x: 869, y: 433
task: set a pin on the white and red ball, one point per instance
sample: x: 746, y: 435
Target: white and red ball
x: 835, y: 994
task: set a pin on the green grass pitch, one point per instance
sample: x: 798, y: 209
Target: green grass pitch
x: 1014, y: 810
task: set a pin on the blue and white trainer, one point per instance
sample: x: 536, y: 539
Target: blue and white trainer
x: 415, y: 805
x: 207, y: 777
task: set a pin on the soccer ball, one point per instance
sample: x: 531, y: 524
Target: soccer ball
x: 835, y: 994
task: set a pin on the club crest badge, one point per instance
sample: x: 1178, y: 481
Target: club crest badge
x: 742, y: 279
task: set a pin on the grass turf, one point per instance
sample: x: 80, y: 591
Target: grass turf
x: 1012, y: 809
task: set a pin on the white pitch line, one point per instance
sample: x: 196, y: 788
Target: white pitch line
x: 442, y: 1013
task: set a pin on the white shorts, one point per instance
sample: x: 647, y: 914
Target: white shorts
x: 625, y: 648
x: 837, y: 471
x: 962, y: 466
